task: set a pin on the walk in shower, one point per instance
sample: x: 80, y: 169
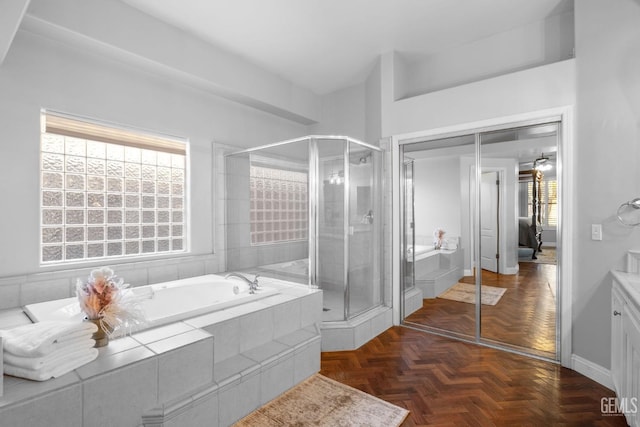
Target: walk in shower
x: 309, y: 210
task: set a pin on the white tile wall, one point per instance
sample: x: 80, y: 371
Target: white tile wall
x: 119, y: 397
x: 277, y: 378
x: 62, y: 408
x: 185, y: 369
x: 227, y: 338
x: 306, y: 361
x: 163, y: 273
x: 238, y: 399
x: 18, y: 291
x: 9, y: 296
x: 256, y: 329
x: 202, y: 413
x: 45, y: 291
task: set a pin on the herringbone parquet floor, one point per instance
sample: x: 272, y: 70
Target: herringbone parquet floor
x: 445, y: 382
x: 525, y: 316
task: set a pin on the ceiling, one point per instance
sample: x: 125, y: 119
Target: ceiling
x: 326, y: 45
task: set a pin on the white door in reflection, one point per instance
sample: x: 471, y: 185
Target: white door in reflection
x: 489, y: 220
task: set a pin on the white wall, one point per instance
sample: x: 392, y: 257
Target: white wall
x: 607, y: 156
x: 539, y: 43
x: 437, y: 197
x: 343, y: 113
x: 535, y: 89
x: 41, y: 73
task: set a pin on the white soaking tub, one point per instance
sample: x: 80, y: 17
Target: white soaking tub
x: 165, y: 302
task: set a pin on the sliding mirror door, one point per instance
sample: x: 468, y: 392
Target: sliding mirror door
x: 438, y: 219
x: 480, y: 236
x: 518, y: 214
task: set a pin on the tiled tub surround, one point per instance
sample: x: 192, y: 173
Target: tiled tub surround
x: 18, y: 291
x: 208, y: 370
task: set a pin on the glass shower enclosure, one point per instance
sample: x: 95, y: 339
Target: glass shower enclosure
x: 309, y: 210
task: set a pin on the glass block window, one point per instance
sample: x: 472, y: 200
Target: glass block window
x: 109, y: 192
x: 278, y: 205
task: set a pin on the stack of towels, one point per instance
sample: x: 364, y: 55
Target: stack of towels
x: 47, y: 349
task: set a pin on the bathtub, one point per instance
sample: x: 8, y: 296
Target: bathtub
x: 421, y: 252
x: 424, y: 251
x: 166, y: 302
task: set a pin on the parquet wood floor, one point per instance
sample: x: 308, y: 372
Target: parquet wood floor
x: 446, y: 382
x: 525, y: 316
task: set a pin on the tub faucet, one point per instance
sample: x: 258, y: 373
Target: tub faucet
x: 253, y: 285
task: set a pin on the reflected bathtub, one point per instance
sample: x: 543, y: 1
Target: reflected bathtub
x: 421, y: 252
x: 165, y: 302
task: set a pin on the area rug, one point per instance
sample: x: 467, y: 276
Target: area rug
x: 545, y: 256
x: 465, y: 292
x: 321, y: 401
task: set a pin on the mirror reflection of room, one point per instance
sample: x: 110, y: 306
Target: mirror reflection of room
x: 441, y: 258
x: 517, y: 226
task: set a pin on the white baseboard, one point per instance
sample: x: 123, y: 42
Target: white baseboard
x: 593, y: 371
x: 512, y: 270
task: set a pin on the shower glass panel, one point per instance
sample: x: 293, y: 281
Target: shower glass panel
x: 332, y: 228
x: 409, y: 229
x: 308, y: 211
x: 365, y: 233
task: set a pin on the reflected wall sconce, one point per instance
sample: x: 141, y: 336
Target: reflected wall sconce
x: 629, y: 213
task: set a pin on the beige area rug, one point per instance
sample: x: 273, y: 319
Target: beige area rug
x: 321, y: 401
x: 546, y: 256
x: 465, y: 292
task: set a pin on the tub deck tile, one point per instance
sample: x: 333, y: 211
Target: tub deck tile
x: 268, y: 353
x: 17, y: 390
x: 276, y: 299
x: 211, y: 318
x: 162, y: 332
x: 177, y: 341
x: 233, y: 369
x: 112, y: 362
x: 299, y: 338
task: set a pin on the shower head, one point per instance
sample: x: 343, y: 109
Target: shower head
x: 360, y: 159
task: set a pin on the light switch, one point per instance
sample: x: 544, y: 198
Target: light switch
x: 596, y: 231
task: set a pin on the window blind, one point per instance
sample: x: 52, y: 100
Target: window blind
x: 61, y: 124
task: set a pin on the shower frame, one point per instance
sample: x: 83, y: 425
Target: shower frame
x: 313, y: 201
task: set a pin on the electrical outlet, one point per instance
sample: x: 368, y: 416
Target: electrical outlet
x: 596, y: 231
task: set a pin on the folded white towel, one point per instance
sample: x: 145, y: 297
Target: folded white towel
x: 56, y: 357
x: 48, y: 371
x: 39, y: 339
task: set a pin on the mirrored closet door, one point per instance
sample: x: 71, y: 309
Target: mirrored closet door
x: 439, y: 238
x: 480, y: 233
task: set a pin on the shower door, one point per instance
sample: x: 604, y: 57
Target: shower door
x: 364, y: 233
x: 332, y: 228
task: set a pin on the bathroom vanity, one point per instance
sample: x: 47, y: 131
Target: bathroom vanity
x: 625, y: 343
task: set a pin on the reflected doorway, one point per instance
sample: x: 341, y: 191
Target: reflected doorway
x: 480, y: 258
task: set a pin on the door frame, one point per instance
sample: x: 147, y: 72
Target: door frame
x: 564, y: 115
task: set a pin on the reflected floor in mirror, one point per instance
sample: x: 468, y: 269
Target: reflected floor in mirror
x: 524, y: 318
